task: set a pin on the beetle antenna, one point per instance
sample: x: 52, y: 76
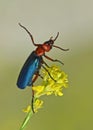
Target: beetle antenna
x: 60, y: 48
x: 56, y: 36
x: 50, y: 38
x: 28, y: 33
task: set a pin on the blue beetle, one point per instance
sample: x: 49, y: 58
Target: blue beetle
x: 30, y: 69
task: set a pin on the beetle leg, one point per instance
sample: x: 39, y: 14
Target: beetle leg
x: 34, y: 79
x: 36, y: 76
x: 53, y: 59
x: 32, y: 101
x: 49, y: 73
x: 46, y: 64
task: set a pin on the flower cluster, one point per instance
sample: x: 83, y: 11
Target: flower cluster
x: 54, y: 80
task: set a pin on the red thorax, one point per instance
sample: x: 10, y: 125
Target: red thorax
x: 42, y: 48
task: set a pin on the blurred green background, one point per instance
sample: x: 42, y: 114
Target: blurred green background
x: 44, y: 18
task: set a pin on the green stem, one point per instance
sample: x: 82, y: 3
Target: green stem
x: 27, y: 118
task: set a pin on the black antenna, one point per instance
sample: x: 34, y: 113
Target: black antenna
x: 60, y: 48
x: 29, y: 34
x: 56, y: 36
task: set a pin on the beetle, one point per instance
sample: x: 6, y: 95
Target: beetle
x: 30, y: 70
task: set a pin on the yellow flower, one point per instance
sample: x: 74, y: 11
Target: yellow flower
x: 38, y: 90
x: 53, y: 82
x: 27, y: 109
x: 37, y: 104
x: 52, y: 86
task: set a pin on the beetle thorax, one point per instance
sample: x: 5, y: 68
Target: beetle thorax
x: 41, y: 49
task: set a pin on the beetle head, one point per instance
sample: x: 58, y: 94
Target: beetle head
x: 48, y: 44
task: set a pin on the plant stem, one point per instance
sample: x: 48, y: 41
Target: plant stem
x: 27, y: 118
